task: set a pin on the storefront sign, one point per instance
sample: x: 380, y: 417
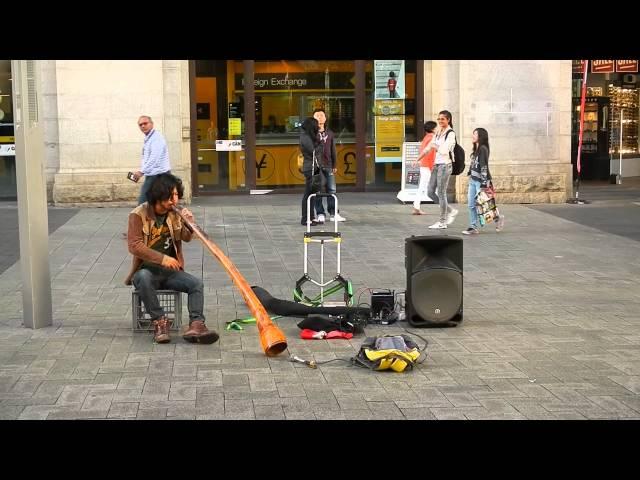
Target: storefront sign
x: 578, y: 66
x: 627, y: 66
x: 228, y: 145
x: 602, y: 66
x: 299, y: 81
x: 7, y: 150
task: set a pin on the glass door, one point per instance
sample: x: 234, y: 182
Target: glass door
x: 8, y: 188
x: 217, y: 118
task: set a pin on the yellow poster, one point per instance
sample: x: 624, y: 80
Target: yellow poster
x: 389, y: 107
x: 235, y: 126
x: 389, y: 137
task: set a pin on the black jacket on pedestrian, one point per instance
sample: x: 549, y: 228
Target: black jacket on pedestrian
x: 479, y: 168
x: 329, y: 157
x: 307, y: 146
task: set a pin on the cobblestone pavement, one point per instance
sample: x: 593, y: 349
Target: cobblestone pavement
x: 551, y: 326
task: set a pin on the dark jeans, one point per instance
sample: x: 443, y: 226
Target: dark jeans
x: 331, y: 188
x: 148, y: 180
x: 307, y: 192
x: 147, y: 280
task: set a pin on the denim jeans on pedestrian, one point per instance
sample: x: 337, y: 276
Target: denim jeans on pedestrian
x: 146, y: 185
x: 425, y: 175
x: 474, y: 188
x: 148, y: 280
x: 437, y: 191
x: 305, y: 196
x: 331, y: 188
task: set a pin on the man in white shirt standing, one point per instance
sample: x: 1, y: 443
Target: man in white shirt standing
x: 155, y: 156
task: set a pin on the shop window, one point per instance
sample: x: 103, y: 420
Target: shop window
x: 218, y: 118
x: 8, y: 186
x: 624, y: 107
x: 287, y: 92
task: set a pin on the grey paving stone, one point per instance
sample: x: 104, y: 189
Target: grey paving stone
x: 182, y: 393
x: 10, y: 412
x: 123, y: 410
x: 131, y: 383
x: 152, y: 413
x: 77, y: 414
x: 358, y: 414
x: 269, y: 412
x: 443, y: 413
x: 36, y: 412
x: 417, y: 414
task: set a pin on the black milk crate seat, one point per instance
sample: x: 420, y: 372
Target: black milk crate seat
x: 170, y: 301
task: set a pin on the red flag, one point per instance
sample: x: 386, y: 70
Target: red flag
x: 582, y: 101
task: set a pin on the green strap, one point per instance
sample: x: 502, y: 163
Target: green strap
x: 236, y: 324
x: 314, y: 302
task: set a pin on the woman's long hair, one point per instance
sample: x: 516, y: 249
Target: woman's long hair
x: 483, y: 139
x: 311, y: 128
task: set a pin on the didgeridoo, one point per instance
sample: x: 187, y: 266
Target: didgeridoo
x: 272, y: 339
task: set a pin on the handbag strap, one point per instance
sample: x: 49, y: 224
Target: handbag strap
x: 315, y: 159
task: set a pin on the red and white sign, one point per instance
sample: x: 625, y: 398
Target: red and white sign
x: 578, y: 66
x: 602, y: 66
x: 627, y: 66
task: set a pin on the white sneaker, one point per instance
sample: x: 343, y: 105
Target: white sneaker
x: 338, y: 217
x: 452, y: 216
x: 321, y: 219
x: 438, y: 225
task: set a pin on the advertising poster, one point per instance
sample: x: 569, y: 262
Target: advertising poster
x: 235, y: 126
x: 410, y: 174
x: 389, y: 79
x: 389, y: 109
x: 389, y: 138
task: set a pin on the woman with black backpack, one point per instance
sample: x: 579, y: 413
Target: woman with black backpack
x: 444, y: 141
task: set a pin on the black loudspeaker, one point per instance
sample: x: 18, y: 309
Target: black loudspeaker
x: 434, y: 281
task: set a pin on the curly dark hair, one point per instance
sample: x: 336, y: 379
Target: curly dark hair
x: 162, y: 188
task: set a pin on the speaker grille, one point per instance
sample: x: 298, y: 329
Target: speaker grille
x: 434, y: 280
x: 436, y: 294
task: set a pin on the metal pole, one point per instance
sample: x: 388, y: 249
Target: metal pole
x: 32, y: 196
x: 582, y: 104
x: 576, y: 200
x: 620, y: 149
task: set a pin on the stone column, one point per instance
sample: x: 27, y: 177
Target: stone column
x: 526, y: 108
x: 95, y: 105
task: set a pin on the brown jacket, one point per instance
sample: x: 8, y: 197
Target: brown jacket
x: 141, y: 220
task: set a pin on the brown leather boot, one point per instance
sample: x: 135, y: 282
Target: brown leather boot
x: 161, y: 330
x: 199, y: 333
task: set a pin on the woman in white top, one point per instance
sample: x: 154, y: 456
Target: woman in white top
x: 443, y: 142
